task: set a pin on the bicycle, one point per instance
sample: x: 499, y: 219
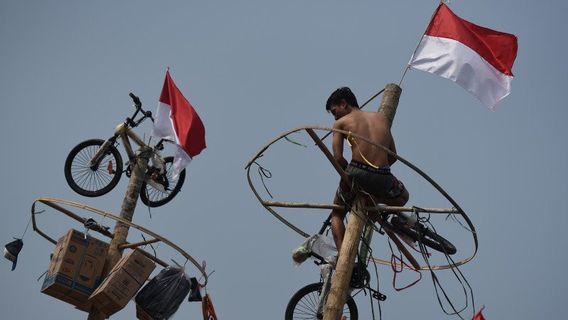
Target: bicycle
x: 94, y: 167
x: 309, y: 301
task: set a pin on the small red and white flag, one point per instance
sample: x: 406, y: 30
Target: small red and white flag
x: 479, y: 315
x: 177, y: 120
x: 478, y: 59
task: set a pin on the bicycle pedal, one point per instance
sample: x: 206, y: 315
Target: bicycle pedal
x: 379, y: 296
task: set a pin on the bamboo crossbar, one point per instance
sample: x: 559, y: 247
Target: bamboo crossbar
x: 329, y: 156
x: 78, y: 218
x: 306, y: 205
x: 137, y: 244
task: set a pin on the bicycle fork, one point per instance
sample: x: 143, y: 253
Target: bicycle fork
x: 96, y: 160
x: 326, y: 271
x: 157, y: 172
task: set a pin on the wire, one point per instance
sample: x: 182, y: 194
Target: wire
x: 295, y: 142
x: 28, y: 225
x: 438, y: 286
x: 151, y: 246
x: 370, y: 251
x: 378, y: 283
x: 264, y: 173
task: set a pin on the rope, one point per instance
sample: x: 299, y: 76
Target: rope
x: 295, y: 142
x: 349, y: 139
x: 370, y: 250
x: 151, y: 246
x: 378, y: 286
x: 147, y: 206
x: 438, y: 286
x: 417, y: 45
x: 28, y: 225
x: 399, y: 261
x: 264, y: 173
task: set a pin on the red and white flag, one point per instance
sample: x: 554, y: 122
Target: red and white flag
x: 177, y: 120
x: 479, y: 315
x: 478, y: 59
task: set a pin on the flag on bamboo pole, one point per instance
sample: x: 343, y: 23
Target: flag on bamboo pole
x: 479, y: 315
x: 177, y: 120
x: 208, y: 309
x: 477, y: 58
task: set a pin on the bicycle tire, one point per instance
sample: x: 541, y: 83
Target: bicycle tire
x: 153, y: 197
x: 429, y: 238
x: 304, y: 304
x: 86, y: 180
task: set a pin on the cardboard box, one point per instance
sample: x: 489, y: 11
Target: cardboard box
x: 122, y: 283
x: 75, y: 269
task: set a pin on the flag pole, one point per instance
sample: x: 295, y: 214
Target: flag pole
x: 418, y: 44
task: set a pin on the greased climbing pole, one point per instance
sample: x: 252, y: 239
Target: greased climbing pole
x: 127, y: 212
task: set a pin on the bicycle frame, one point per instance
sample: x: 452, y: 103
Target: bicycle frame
x: 125, y: 132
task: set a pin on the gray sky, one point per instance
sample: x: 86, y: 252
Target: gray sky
x: 254, y: 69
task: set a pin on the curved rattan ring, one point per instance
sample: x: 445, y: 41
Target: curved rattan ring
x: 56, y: 204
x: 270, y: 205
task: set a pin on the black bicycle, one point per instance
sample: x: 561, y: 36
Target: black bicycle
x: 309, y: 301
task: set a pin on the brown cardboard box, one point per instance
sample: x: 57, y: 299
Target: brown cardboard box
x: 122, y: 283
x: 75, y: 268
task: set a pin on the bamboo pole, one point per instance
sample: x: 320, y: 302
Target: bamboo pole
x: 340, y: 282
x: 137, y: 244
x: 346, y: 260
x: 305, y: 205
x: 328, y: 155
x: 127, y: 212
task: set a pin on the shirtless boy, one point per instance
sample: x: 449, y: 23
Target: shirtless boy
x: 370, y: 166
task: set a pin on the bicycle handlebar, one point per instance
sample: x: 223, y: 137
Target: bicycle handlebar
x: 138, y: 105
x: 136, y: 100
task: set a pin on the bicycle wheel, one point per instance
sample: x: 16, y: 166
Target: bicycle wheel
x: 421, y: 233
x: 163, y: 187
x: 92, y: 181
x: 304, y: 304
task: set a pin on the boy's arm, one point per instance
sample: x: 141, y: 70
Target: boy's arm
x: 338, y: 146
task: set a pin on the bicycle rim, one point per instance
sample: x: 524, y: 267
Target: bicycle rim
x: 153, y: 197
x: 92, y: 181
x: 304, y: 305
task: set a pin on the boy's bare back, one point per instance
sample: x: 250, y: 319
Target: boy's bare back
x: 373, y: 126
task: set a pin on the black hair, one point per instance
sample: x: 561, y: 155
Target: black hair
x: 343, y: 93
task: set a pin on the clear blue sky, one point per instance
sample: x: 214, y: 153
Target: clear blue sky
x: 254, y: 69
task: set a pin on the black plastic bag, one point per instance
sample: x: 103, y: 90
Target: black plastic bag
x: 162, y: 296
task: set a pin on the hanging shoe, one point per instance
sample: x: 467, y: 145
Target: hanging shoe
x: 194, y: 292
x: 11, y: 251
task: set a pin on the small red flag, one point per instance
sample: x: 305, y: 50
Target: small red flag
x: 479, y: 315
x: 208, y: 310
